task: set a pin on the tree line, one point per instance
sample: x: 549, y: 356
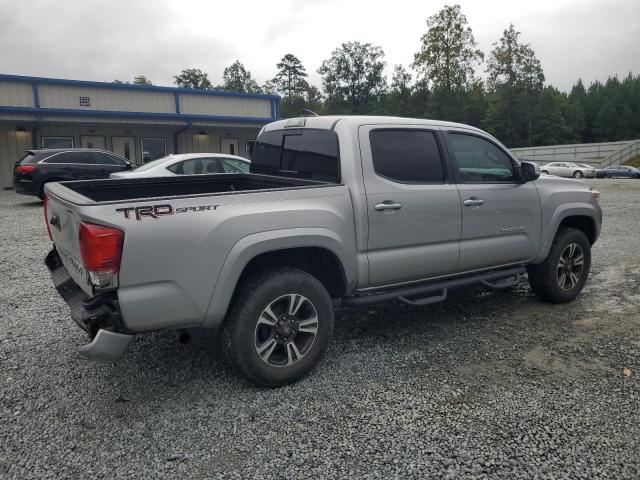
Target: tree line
x: 513, y: 102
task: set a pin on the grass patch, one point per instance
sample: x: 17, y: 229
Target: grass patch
x: 634, y: 162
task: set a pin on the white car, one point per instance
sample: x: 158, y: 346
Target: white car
x: 188, y: 164
x: 568, y: 169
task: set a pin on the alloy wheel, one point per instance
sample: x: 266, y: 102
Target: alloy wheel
x: 286, y: 330
x: 570, y: 266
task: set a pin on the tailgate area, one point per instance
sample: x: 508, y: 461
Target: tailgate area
x: 90, y: 313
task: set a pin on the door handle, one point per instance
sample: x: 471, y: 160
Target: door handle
x: 387, y: 205
x: 473, y: 202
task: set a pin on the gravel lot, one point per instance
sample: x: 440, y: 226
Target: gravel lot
x: 486, y: 385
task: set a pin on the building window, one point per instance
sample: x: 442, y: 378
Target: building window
x: 248, y: 148
x: 153, y: 148
x: 57, y: 142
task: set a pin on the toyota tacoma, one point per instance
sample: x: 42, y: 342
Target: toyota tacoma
x: 362, y: 209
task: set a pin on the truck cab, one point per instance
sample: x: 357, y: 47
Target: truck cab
x: 363, y: 209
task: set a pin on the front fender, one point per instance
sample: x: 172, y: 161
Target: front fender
x: 561, y: 213
x: 249, y: 247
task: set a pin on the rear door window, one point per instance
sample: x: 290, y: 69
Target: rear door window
x: 407, y: 156
x: 197, y: 166
x: 71, y: 157
x: 106, y: 159
x: 231, y: 165
x: 303, y: 153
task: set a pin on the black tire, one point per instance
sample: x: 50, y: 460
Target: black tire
x: 41, y: 192
x: 245, y: 328
x: 545, y: 278
x: 545, y: 172
x: 578, y: 174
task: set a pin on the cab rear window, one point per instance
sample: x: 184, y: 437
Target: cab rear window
x: 301, y: 153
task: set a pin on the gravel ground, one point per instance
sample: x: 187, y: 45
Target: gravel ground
x: 486, y: 385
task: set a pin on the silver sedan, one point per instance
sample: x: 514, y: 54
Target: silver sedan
x: 188, y: 164
x: 568, y: 169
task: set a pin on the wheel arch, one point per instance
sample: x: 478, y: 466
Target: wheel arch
x: 584, y: 223
x: 318, y: 251
x: 583, y: 217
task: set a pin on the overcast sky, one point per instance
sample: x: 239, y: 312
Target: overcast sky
x: 91, y: 40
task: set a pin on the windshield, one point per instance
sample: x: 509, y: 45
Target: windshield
x: 151, y: 164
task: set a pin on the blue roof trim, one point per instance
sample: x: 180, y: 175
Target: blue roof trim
x: 125, y: 86
x: 117, y: 114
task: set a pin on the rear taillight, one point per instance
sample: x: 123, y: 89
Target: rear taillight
x: 25, y: 169
x: 46, y: 217
x: 101, y: 250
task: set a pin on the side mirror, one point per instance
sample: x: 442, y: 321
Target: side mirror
x: 530, y: 171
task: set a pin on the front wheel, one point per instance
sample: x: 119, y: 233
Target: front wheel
x: 278, y: 327
x: 578, y: 174
x: 562, y: 275
x: 546, y: 172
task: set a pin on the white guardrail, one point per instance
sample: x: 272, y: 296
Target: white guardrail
x: 598, y: 155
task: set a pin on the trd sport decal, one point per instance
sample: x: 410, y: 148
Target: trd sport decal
x: 157, y: 211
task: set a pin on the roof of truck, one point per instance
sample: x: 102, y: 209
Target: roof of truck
x: 329, y: 122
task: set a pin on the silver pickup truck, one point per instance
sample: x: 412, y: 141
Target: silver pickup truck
x: 363, y: 209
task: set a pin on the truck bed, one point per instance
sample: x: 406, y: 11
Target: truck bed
x: 118, y: 190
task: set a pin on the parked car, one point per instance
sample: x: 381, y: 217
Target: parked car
x: 363, y: 209
x: 619, y: 171
x: 589, y: 170
x: 188, y: 164
x: 38, y: 167
x: 568, y: 169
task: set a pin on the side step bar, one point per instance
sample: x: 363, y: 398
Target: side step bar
x: 434, y: 292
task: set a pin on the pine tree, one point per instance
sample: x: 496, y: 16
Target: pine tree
x: 515, y: 80
x: 291, y: 77
x: 448, y: 52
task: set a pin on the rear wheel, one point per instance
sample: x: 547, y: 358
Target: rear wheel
x: 41, y: 192
x: 546, y: 172
x: 562, y: 275
x: 578, y: 174
x: 278, y: 327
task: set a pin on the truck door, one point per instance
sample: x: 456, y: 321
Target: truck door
x: 413, y: 209
x: 501, y: 219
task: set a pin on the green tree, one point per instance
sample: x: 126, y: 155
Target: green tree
x: 513, y: 63
x: 605, y: 123
x: 575, y: 111
x: 291, y: 77
x: 448, y: 52
x: 141, y: 80
x: 626, y: 123
x: 548, y: 124
x: 515, y: 81
x: 269, y: 87
x: 193, y: 78
x: 399, y: 97
x: 236, y: 78
x: 353, y: 77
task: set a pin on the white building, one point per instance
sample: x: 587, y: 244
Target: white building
x: 137, y: 122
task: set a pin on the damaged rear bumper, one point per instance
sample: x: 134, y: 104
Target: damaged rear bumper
x: 99, y: 316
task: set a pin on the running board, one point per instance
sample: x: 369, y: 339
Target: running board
x: 434, y: 292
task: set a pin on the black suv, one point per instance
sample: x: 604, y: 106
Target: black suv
x: 38, y: 167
